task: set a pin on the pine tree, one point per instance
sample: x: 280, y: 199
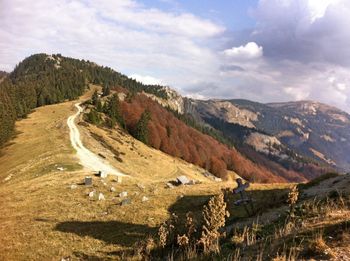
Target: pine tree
x: 99, y: 106
x: 111, y: 108
x: 94, y: 98
x: 141, y: 130
x: 106, y: 90
x: 93, y: 117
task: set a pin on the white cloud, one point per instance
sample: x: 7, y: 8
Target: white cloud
x: 249, y: 51
x: 318, y: 8
x: 299, y: 49
x: 135, y: 15
x: 124, y: 35
x: 296, y: 93
x: 341, y: 86
x: 146, y: 79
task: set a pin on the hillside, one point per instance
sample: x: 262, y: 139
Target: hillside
x: 297, y: 132
x: 167, y: 133
x: 43, y: 79
x: 325, y: 128
x: 237, y: 126
x: 48, y: 215
x: 278, y: 134
x: 48, y: 79
x: 43, y: 205
x: 265, y: 150
x: 45, y: 202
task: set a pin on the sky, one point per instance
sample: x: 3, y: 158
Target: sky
x: 262, y: 50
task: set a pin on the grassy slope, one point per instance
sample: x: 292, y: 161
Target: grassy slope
x: 43, y: 219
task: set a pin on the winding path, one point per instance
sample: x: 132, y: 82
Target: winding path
x: 87, y: 158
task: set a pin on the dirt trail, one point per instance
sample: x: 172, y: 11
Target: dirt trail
x: 87, y: 158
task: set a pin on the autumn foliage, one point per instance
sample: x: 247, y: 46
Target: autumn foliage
x: 174, y: 137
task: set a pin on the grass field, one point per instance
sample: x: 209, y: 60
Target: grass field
x: 44, y: 218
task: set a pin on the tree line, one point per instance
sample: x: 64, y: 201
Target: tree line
x: 43, y: 79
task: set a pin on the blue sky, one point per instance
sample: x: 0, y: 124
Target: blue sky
x: 232, y: 13
x: 262, y: 50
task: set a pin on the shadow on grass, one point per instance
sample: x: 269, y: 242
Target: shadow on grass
x: 127, y: 234
x: 111, y: 232
x: 262, y: 201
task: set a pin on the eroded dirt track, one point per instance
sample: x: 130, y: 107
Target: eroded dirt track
x: 87, y: 158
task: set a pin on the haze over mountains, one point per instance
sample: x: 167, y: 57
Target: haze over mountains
x: 279, y: 142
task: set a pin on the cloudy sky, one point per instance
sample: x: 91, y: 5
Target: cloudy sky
x: 264, y: 50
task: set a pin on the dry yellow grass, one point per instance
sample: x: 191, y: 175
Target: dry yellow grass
x: 42, y: 218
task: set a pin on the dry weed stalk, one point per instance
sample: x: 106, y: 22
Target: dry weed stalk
x: 167, y: 231
x: 144, y: 248
x: 163, y: 234
x: 183, y: 241
x: 246, y: 237
x: 293, y: 196
x: 214, y: 215
x: 190, y: 225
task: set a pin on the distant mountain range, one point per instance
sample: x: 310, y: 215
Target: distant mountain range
x: 303, y: 130
x: 278, y: 142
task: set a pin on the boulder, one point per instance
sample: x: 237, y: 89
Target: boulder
x: 73, y: 186
x: 101, y: 196
x: 123, y: 194
x: 182, y: 180
x: 118, y: 179
x: 216, y: 179
x: 169, y: 185
x: 88, y: 181
x: 92, y: 194
x: 192, y: 182
x: 125, y: 202
x: 144, y: 199
x: 112, y: 189
x: 102, y: 174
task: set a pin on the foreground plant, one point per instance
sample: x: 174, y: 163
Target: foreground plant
x: 293, y: 197
x: 214, y: 215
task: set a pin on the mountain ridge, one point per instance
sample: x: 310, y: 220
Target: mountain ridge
x: 45, y: 79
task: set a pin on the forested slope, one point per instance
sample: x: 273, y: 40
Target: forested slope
x: 43, y: 79
x: 172, y: 136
